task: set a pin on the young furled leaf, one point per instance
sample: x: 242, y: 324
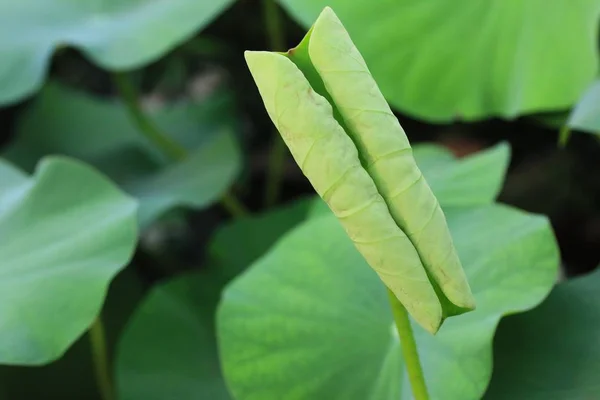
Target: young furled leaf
x: 343, y: 135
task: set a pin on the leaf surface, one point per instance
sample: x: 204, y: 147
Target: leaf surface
x: 116, y: 35
x: 310, y: 319
x: 440, y: 62
x: 552, y: 351
x: 66, y: 232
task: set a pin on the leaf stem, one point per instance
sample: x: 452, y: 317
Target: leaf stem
x: 273, y: 24
x: 160, y: 139
x: 233, y: 206
x: 409, y: 348
x: 278, y: 151
x: 100, y: 359
x: 563, y: 136
x: 128, y: 93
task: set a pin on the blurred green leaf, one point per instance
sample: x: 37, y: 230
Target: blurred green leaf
x: 66, y: 232
x: 440, y: 61
x: 252, y: 236
x: 311, y: 320
x: 168, y: 348
x: 64, y: 121
x: 586, y: 114
x: 72, y: 376
x: 473, y: 180
x: 195, y: 182
x: 552, y: 120
x: 116, y: 35
x: 172, y: 333
x: 430, y: 155
x: 551, y: 351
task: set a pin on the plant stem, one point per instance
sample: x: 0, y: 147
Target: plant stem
x: 128, y: 92
x: 278, y: 150
x: 156, y: 136
x: 409, y: 348
x: 273, y: 24
x: 233, y: 205
x: 563, y: 136
x: 100, y: 359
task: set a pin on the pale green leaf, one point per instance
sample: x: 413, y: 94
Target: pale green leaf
x: 66, y: 232
x: 73, y: 376
x: 116, y: 35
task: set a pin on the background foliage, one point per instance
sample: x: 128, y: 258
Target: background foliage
x: 135, y: 157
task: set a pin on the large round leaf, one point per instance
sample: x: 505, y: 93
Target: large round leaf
x: 552, y: 351
x: 66, y: 232
x: 115, y: 34
x: 440, y: 60
x: 310, y: 319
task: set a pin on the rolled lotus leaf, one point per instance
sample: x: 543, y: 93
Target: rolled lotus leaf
x: 387, y: 154
x: 341, y: 132
x: 330, y: 161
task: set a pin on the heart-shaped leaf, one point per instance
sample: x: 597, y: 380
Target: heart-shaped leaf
x: 440, y: 61
x: 551, y: 351
x: 63, y: 121
x: 310, y: 319
x: 66, y: 232
x: 116, y: 35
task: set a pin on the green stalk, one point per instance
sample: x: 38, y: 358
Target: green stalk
x: 278, y: 149
x: 156, y: 136
x: 409, y: 349
x: 128, y: 93
x: 563, y: 136
x: 273, y: 23
x: 100, y: 359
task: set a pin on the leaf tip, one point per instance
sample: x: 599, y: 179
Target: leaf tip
x: 328, y: 14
